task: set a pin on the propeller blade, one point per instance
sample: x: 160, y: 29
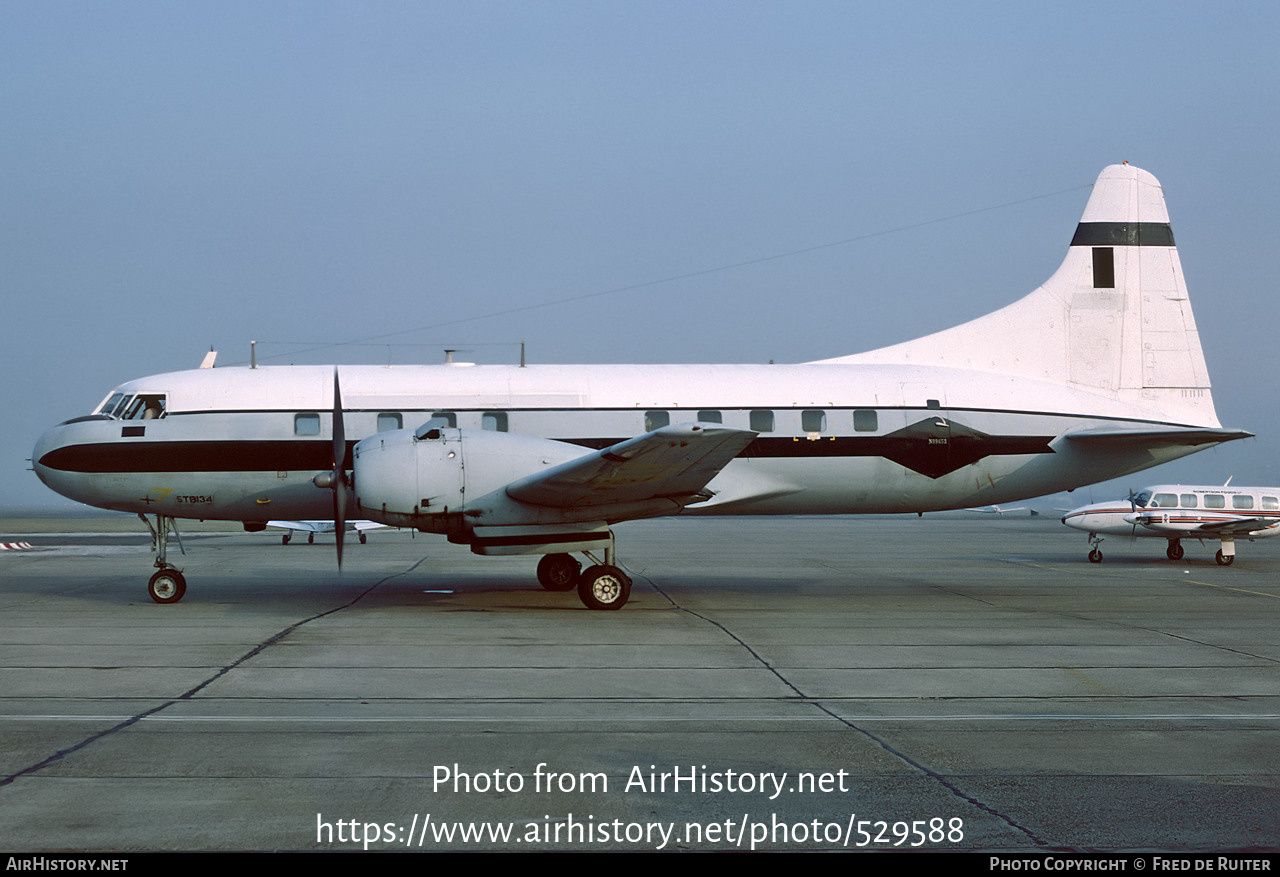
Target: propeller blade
x: 339, y: 468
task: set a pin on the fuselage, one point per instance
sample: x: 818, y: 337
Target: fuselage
x: 245, y: 443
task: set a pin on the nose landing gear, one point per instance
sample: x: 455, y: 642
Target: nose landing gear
x: 168, y: 584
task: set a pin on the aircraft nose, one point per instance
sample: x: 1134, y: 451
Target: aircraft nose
x: 44, y: 444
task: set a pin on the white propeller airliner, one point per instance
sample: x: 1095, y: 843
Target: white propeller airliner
x: 1176, y: 512
x: 1096, y: 374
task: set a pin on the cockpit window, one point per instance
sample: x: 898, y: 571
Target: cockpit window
x: 144, y: 406
x: 114, y: 401
x: 1141, y: 499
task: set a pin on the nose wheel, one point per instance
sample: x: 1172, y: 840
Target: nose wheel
x: 167, y: 586
x: 1095, y: 544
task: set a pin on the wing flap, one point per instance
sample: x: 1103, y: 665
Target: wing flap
x: 674, y: 462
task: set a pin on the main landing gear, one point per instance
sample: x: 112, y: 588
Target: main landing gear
x: 600, y: 586
x: 167, y: 585
x: 1225, y: 557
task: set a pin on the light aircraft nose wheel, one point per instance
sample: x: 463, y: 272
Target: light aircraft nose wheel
x: 558, y: 572
x: 363, y: 538
x: 167, y: 586
x: 1174, y: 551
x: 1224, y: 559
x: 604, y: 587
x: 311, y: 538
x: 1095, y: 556
x: 284, y: 540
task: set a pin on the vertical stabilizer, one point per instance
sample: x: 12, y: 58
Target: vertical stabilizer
x: 1114, y: 319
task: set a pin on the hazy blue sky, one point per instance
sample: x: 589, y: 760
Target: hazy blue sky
x: 180, y: 175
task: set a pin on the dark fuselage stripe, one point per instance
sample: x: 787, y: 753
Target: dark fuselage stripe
x: 270, y: 456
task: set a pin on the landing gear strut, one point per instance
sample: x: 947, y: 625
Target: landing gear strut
x: 167, y: 585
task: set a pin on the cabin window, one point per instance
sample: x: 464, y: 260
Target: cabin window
x: 388, y: 421
x: 1165, y: 501
x: 496, y: 421
x: 1214, y: 501
x: 1188, y: 500
x: 1271, y: 503
x: 813, y: 420
x: 761, y: 421
x: 306, y: 424
x: 1104, y: 268
x: 656, y: 420
x: 1240, y: 501
x: 865, y: 420
x: 443, y: 420
x: 707, y: 416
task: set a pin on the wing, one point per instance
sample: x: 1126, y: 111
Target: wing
x: 304, y: 526
x: 1237, y: 527
x: 1154, y: 437
x: 674, y: 462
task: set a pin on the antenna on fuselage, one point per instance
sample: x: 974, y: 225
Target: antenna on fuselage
x: 448, y: 356
x: 253, y: 354
x: 209, y: 357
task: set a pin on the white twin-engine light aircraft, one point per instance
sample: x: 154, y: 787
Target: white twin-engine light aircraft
x: 1096, y: 374
x: 1176, y: 512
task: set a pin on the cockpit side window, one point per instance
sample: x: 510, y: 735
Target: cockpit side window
x: 1141, y: 499
x: 145, y: 406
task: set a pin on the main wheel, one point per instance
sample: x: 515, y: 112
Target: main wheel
x: 167, y: 586
x: 363, y: 538
x: 311, y: 538
x: 284, y: 540
x: 558, y: 572
x: 1224, y: 559
x: 604, y: 587
x: 1174, y: 551
x: 1095, y: 556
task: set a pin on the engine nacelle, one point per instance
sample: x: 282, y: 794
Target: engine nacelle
x: 417, y: 477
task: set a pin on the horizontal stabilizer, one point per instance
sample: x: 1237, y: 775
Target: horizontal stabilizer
x: 674, y: 462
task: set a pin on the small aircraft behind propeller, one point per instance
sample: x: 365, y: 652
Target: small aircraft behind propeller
x: 1175, y: 512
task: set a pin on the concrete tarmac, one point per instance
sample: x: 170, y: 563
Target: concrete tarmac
x: 941, y: 683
